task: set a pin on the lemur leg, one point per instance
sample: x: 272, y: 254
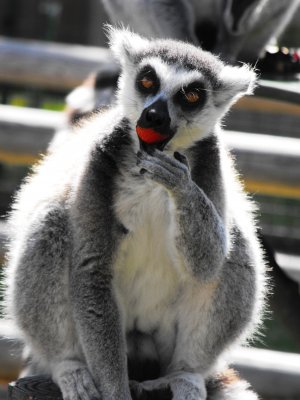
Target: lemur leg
x: 226, y: 385
x: 217, y: 313
x: 210, y: 317
x: 75, y: 381
x: 203, y: 250
x: 42, y: 273
x: 177, y: 386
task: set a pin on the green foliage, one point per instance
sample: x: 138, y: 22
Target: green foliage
x: 32, y: 97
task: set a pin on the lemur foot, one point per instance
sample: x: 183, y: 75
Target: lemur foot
x: 171, y: 172
x: 75, y: 382
x: 177, y: 386
x: 138, y: 392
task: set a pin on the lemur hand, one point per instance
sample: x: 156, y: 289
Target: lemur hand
x: 173, y: 173
x: 203, y: 253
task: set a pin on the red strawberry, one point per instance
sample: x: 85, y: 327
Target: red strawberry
x: 149, y: 135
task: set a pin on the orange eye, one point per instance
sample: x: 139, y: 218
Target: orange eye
x: 192, y: 97
x: 147, y: 83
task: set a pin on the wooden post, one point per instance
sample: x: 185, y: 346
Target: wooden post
x: 39, y: 387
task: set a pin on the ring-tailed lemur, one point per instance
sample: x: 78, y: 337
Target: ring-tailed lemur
x: 133, y: 245
x: 235, y: 29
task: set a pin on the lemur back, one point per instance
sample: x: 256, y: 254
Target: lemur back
x: 133, y: 244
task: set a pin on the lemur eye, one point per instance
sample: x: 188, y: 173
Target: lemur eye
x: 147, y: 81
x: 191, y: 97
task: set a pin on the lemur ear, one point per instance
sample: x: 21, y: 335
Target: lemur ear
x: 235, y: 82
x: 125, y: 44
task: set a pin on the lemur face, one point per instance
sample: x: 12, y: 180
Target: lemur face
x: 173, y: 92
x: 172, y: 101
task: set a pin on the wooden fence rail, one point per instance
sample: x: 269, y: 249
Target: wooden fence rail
x: 275, y: 108
x: 25, y: 133
x: 270, y: 165
x: 62, y: 66
x: 49, y: 65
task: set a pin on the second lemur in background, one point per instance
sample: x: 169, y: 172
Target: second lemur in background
x: 237, y: 30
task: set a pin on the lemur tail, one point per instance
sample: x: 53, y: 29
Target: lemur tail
x: 229, y: 386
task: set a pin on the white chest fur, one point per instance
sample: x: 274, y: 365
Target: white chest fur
x: 147, y: 275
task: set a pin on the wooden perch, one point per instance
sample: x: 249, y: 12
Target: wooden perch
x: 38, y: 387
x: 272, y: 374
x: 64, y: 66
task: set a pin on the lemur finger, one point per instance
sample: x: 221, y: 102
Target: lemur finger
x: 182, y: 158
x: 159, y: 174
x: 149, y: 163
x: 165, y: 161
x: 175, y: 162
x: 159, y: 155
x: 85, y: 387
x: 167, y: 167
x: 78, y: 385
x: 188, y: 386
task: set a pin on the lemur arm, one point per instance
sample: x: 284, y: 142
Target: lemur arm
x: 231, y: 304
x: 96, y: 234
x: 201, y: 236
x: 204, y: 249
x: 99, y: 327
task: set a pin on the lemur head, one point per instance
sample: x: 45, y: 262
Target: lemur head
x: 173, y: 92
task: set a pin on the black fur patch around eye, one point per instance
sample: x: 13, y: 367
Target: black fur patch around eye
x: 149, y: 73
x: 181, y: 97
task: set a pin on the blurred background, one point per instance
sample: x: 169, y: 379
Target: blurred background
x: 48, y: 48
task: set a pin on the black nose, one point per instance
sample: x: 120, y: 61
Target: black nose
x: 155, y: 116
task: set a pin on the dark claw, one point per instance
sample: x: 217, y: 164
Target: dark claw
x: 150, y: 150
x: 181, y: 158
x: 143, y: 171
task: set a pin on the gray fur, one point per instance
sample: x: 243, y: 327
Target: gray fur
x: 238, y: 30
x: 156, y: 11
x: 116, y: 253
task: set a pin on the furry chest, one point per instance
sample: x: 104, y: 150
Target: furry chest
x: 147, y: 275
